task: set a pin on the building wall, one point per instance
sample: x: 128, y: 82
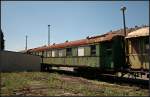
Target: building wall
x: 15, y: 61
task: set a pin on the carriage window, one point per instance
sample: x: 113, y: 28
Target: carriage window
x: 45, y: 54
x: 60, y: 53
x: 53, y: 53
x: 36, y: 53
x: 135, y: 44
x: 146, y: 45
x: 129, y: 47
x: 69, y: 51
x: 40, y: 53
x: 109, y: 47
x: 81, y: 51
x: 33, y: 53
x: 93, y: 50
x: 48, y: 53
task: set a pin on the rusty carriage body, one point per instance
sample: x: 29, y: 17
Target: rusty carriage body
x: 104, y: 53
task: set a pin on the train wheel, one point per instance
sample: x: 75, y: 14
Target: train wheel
x: 118, y: 74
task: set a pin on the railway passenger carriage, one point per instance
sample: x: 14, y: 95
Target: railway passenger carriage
x: 104, y: 52
x: 138, y: 42
x: 100, y: 52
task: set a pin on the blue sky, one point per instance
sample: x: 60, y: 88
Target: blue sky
x: 70, y: 20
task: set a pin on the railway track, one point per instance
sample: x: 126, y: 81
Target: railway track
x: 144, y: 84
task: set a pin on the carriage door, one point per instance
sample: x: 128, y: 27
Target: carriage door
x: 106, y: 56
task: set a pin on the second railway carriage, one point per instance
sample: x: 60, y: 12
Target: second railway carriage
x: 138, y: 50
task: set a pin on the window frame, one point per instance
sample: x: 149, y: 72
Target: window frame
x: 146, y: 45
x: 48, y: 53
x: 82, y: 48
x: 60, y: 51
x: 70, y: 51
x: 93, y: 51
x: 53, y: 52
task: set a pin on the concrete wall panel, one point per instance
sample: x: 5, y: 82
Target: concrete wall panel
x: 15, y: 61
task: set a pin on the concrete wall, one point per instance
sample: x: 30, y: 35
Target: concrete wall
x: 15, y: 61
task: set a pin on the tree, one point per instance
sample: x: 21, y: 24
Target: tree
x: 1, y: 40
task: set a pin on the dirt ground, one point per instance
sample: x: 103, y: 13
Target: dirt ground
x: 54, y: 84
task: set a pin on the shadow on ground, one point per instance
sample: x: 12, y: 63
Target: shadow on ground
x: 144, y: 84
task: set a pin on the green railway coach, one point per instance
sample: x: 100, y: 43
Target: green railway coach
x: 105, y: 52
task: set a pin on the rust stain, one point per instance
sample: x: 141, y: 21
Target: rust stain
x: 94, y: 39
